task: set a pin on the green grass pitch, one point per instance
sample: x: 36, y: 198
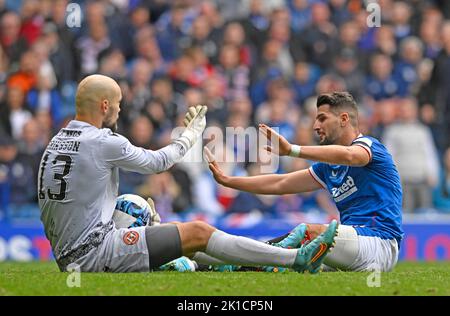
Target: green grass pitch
x: 44, y: 278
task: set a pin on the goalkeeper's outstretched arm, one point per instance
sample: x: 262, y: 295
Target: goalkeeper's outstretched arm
x: 119, y: 152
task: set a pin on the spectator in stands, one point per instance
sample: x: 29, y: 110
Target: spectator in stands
x: 401, y: 14
x: 18, y: 184
x: 300, y: 14
x: 13, y: 44
x: 63, y: 53
x: 146, y: 47
x: 319, y: 35
x: 46, y: 98
x: 384, y: 40
x: 439, y: 97
x: 346, y: 66
x: 441, y: 193
x: 28, y: 72
x: 32, y: 21
x: 304, y: 81
x: 414, y: 152
x: 92, y: 46
x: 172, y: 101
x: 235, y: 74
x: 14, y: 112
x: 234, y: 35
x: 381, y: 83
x: 406, y: 68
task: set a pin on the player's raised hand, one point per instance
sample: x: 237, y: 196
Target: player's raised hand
x: 218, y: 174
x: 279, y: 144
x: 195, y: 122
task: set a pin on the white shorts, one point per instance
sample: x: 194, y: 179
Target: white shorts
x: 353, y: 252
x: 122, y: 250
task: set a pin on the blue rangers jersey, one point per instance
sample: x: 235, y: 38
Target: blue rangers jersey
x: 368, y: 198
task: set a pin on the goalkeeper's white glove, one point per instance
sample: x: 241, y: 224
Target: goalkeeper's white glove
x: 155, y: 219
x: 195, y: 122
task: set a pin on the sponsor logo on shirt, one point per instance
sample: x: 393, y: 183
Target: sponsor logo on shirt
x: 345, y: 190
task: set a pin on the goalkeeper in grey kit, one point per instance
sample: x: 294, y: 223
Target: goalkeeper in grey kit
x: 78, y: 186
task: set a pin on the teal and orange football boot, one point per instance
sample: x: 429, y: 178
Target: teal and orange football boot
x: 310, y: 256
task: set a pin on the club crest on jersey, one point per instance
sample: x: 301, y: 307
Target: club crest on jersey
x: 131, y: 238
x: 345, y: 190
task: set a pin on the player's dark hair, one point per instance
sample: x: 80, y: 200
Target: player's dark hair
x: 340, y: 102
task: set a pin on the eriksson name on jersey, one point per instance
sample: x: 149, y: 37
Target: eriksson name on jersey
x: 345, y: 190
x: 68, y: 145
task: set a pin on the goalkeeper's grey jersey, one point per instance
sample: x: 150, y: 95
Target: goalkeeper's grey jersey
x: 78, y: 182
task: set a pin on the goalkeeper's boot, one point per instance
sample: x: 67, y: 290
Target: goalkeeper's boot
x: 311, y: 256
x: 182, y: 264
x: 294, y: 239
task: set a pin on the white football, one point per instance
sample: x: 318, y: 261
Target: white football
x: 134, y: 211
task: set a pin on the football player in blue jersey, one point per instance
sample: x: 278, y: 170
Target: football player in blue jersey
x: 356, y: 170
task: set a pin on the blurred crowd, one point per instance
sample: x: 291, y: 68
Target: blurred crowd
x: 250, y: 62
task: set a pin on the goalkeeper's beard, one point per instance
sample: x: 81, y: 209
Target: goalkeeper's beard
x: 111, y: 126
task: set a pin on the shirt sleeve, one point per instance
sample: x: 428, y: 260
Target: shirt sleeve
x: 117, y: 151
x: 317, y: 172
x: 365, y: 143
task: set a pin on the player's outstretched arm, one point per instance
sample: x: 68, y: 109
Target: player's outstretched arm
x: 290, y: 183
x: 334, y: 154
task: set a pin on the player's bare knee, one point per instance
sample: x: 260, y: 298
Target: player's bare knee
x: 195, y: 233
x: 202, y: 231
